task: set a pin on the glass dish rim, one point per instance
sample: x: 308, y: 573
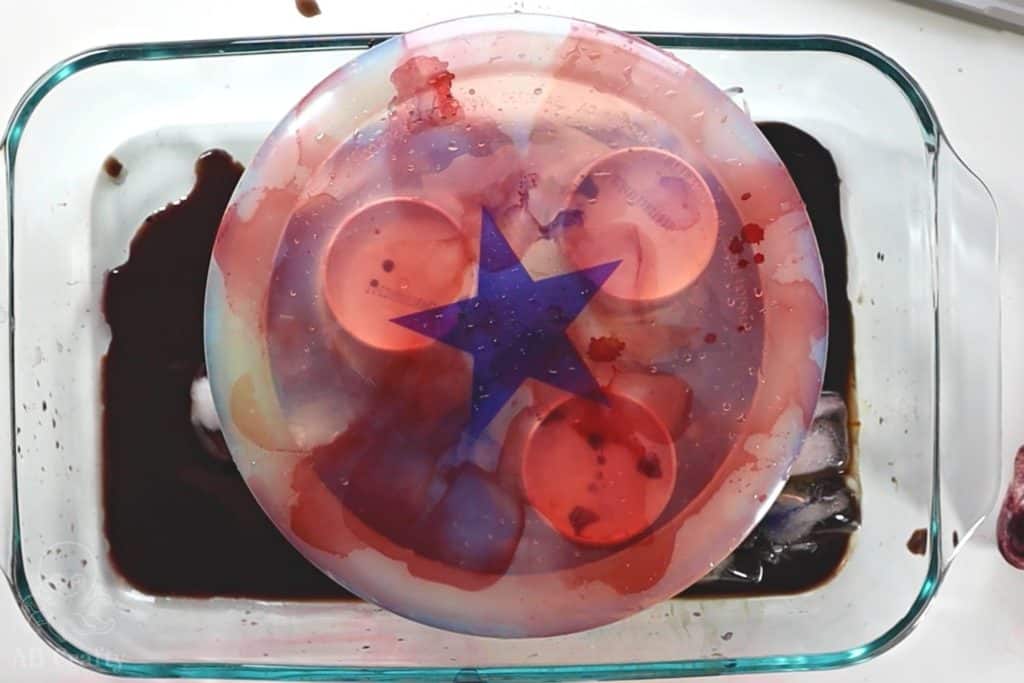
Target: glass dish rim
x: 931, y: 136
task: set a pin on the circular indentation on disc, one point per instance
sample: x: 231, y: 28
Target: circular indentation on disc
x: 600, y: 474
x: 650, y: 209
x: 392, y: 258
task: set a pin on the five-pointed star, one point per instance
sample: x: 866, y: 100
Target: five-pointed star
x: 514, y: 327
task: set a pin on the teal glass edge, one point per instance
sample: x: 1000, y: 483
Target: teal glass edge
x: 931, y: 134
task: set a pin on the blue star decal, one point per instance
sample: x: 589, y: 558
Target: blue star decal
x: 514, y: 327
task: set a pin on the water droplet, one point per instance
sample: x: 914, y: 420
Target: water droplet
x: 758, y: 292
x: 292, y: 293
x: 730, y: 302
x: 652, y: 370
x: 403, y: 284
x: 472, y: 91
x: 726, y: 407
x: 552, y: 371
x: 410, y: 168
x: 538, y: 91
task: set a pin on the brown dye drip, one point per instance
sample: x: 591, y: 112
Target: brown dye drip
x: 307, y: 8
x: 113, y: 167
x: 181, y: 522
x: 917, y: 544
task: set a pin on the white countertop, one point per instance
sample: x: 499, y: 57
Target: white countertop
x: 972, y: 74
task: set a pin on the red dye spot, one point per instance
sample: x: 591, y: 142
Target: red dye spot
x: 649, y: 466
x: 742, y: 263
x: 745, y: 196
x: 581, y: 517
x: 752, y: 233
x: 758, y: 258
x: 387, y: 265
x: 736, y: 245
x: 425, y: 85
x: 595, y: 440
x: 605, y: 349
x: 374, y: 283
x: 710, y: 337
x: 741, y: 328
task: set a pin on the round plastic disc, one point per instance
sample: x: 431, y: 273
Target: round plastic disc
x: 515, y: 325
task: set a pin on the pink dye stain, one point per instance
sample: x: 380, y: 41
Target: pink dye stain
x: 752, y: 233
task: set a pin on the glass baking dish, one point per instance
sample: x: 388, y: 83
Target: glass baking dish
x: 923, y: 283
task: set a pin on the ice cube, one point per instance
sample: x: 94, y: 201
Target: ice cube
x: 810, y: 516
x: 205, y: 421
x: 827, y: 444
x: 203, y: 412
x: 804, y: 505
